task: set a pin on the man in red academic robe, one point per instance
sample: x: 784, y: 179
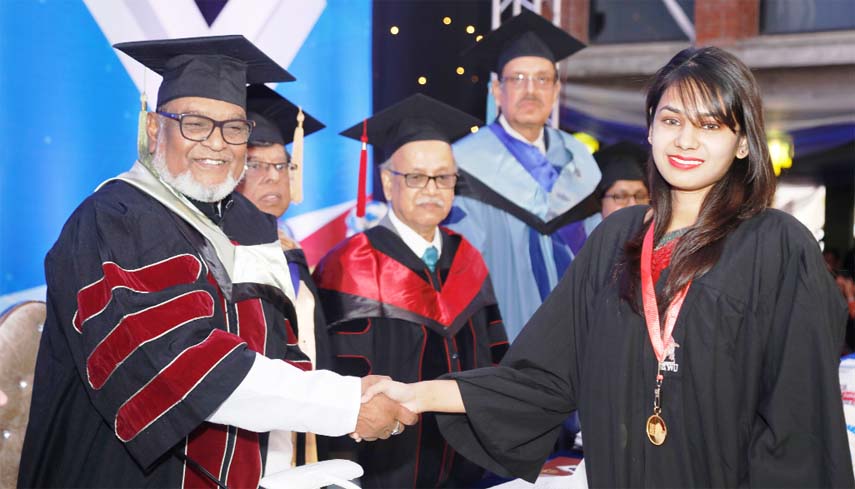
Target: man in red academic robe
x: 409, y: 299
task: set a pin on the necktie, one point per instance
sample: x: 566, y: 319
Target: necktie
x: 430, y: 257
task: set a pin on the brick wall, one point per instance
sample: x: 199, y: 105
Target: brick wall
x: 574, y: 17
x: 723, y: 22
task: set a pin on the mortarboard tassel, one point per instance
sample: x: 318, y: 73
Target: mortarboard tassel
x: 142, y: 134
x: 363, y: 169
x: 297, y: 159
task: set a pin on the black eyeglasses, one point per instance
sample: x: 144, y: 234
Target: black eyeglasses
x: 420, y: 180
x: 199, y: 127
x: 623, y: 199
x: 262, y: 167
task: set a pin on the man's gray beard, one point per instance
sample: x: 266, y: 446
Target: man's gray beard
x: 187, y: 185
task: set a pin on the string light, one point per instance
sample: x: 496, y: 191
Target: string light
x: 470, y: 29
x: 460, y: 70
x: 479, y: 37
x: 473, y: 129
x: 588, y: 140
x: 422, y: 80
x: 446, y: 20
x: 780, y: 151
x: 394, y: 30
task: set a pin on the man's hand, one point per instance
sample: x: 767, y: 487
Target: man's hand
x: 381, y: 417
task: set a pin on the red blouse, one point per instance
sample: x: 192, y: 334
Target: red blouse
x: 662, y: 258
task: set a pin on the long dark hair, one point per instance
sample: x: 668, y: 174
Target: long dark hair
x: 722, y: 84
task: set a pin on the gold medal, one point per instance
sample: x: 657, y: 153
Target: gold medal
x: 661, y: 338
x: 656, y: 430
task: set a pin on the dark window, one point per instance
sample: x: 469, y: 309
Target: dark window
x: 783, y: 16
x: 614, y: 21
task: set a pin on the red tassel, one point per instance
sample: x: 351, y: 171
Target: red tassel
x: 363, y: 170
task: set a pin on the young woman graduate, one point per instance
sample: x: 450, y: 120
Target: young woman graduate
x: 697, y: 337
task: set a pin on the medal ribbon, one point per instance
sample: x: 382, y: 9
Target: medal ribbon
x: 659, y: 339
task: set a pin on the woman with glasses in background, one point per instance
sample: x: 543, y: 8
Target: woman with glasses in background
x: 622, y: 184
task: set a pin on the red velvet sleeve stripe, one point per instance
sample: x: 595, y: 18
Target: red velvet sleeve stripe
x: 252, y: 325
x: 94, y: 298
x: 289, y: 331
x: 245, y: 466
x: 137, y: 329
x: 173, y: 383
x: 304, y: 365
x: 207, y: 446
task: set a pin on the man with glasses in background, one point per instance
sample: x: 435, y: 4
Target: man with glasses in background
x: 166, y: 358
x: 407, y: 298
x: 272, y: 181
x: 526, y: 189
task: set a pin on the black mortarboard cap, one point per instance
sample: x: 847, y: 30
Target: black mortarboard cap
x: 621, y: 161
x: 217, y: 67
x: 526, y: 34
x: 275, y: 116
x: 416, y: 118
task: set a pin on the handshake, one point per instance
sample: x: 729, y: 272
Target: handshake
x: 382, y: 416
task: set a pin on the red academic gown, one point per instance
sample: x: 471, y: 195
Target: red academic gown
x: 388, y: 314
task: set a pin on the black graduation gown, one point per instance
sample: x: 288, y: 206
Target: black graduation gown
x: 140, y: 346
x: 755, y: 400
x: 389, y: 315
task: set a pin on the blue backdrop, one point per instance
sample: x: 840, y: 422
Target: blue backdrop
x: 69, y: 118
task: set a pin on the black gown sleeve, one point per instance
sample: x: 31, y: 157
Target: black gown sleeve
x: 514, y: 411
x: 799, y: 436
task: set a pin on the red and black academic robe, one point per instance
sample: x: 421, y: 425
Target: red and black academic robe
x: 389, y: 315
x: 141, y: 345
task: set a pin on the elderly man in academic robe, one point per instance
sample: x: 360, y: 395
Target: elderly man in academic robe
x: 168, y: 355
x: 408, y: 299
x: 525, y: 198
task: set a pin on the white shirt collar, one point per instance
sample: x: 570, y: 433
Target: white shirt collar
x: 412, y: 239
x: 539, y: 143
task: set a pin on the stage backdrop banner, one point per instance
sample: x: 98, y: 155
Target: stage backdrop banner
x: 70, y: 105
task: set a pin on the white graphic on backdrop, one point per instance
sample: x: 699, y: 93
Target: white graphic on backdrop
x: 277, y: 27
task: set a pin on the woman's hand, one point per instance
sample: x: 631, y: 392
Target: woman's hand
x: 441, y: 396
x: 405, y: 394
